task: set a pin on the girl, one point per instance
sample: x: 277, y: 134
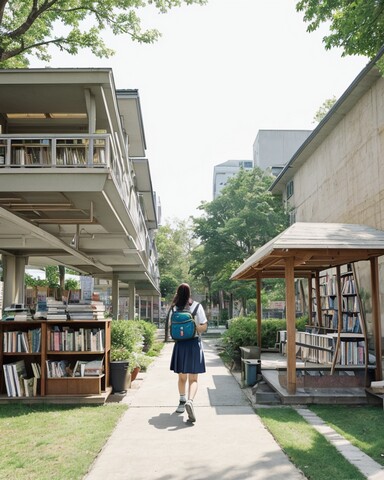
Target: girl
x: 188, y: 355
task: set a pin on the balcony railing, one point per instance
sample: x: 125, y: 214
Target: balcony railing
x: 54, y: 151
x: 75, y: 151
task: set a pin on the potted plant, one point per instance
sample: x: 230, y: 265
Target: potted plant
x: 138, y: 361
x: 122, y: 343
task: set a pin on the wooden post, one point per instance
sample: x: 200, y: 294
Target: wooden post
x: 318, y: 301
x: 339, y: 319
x: 291, y: 324
x: 310, y: 302
x: 258, y: 310
x: 376, y: 316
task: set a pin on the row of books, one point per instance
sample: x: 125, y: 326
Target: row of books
x: 81, y: 368
x: 351, y: 353
x: 22, y: 341
x: 66, y: 339
x: 17, y: 381
x: 348, y: 286
x: 322, y: 354
x: 351, y: 321
x: 349, y: 304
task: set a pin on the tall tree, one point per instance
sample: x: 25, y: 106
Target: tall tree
x: 29, y: 27
x: 174, y: 242
x: 357, y: 26
x: 242, y: 218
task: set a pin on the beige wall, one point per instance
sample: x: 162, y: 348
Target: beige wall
x: 343, y: 180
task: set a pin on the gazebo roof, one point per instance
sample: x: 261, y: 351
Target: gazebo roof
x: 315, y: 247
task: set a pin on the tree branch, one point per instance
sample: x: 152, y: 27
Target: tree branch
x: 23, y: 48
x: 34, y: 14
x: 3, y: 4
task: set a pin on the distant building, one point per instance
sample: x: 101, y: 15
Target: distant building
x: 272, y: 149
x: 226, y: 170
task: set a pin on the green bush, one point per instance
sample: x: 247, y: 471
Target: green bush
x: 242, y: 332
x: 130, y: 340
x: 148, y: 331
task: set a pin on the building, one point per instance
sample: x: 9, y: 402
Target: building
x: 272, y: 149
x: 337, y: 174
x: 75, y: 183
x: 224, y: 171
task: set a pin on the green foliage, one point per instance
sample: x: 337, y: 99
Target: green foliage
x: 34, y: 282
x: 72, y: 284
x: 28, y: 28
x: 355, y: 26
x: 52, y: 276
x: 241, y: 219
x: 148, y: 331
x: 324, y: 109
x: 242, y: 332
x: 130, y: 340
x: 174, y: 243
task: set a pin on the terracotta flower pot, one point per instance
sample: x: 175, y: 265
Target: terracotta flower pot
x: 134, y: 373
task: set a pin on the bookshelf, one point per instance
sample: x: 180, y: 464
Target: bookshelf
x: 337, y: 334
x: 67, y: 358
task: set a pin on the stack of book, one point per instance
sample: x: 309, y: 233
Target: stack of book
x: 80, y: 311
x: 17, y: 312
x: 56, y: 309
x: 98, y: 309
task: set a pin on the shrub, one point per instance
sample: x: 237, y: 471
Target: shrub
x: 148, y: 331
x: 130, y: 339
x: 242, y: 332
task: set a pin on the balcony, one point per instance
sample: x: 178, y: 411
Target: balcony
x: 71, y: 197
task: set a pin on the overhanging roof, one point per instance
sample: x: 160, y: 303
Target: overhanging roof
x: 315, y: 247
x: 362, y: 83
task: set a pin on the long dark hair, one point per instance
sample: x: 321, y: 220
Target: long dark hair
x: 183, y: 294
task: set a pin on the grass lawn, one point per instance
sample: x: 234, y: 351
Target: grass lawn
x: 361, y: 425
x: 60, y: 442
x: 306, y: 448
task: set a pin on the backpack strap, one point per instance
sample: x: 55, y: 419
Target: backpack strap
x: 195, y: 310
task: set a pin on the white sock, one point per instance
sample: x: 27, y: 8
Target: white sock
x: 183, y: 398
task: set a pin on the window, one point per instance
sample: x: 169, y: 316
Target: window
x: 290, y: 189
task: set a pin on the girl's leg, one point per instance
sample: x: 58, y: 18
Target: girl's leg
x: 183, y: 377
x: 182, y: 388
x: 192, y: 385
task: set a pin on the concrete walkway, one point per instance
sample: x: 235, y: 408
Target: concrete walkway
x: 227, y: 442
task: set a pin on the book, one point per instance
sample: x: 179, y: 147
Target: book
x: 9, y: 382
x: 29, y: 388
x: 94, y: 368
x: 19, y: 372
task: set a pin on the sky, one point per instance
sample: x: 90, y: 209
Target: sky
x: 219, y: 74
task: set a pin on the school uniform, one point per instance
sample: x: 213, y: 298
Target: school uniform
x: 188, y: 355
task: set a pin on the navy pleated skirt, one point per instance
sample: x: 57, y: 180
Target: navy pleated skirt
x: 188, y: 356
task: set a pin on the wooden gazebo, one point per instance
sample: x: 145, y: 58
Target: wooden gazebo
x: 302, y: 251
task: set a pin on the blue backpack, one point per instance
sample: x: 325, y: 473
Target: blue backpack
x: 183, y: 325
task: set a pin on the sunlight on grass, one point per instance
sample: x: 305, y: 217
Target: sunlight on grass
x: 45, y: 442
x: 361, y: 425
x: 306, y: 448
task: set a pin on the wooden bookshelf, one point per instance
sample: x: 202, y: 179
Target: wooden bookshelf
x: 337, y: 334
x: 55, y: 347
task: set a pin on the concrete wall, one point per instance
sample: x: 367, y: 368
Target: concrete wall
x: 276, y: 147
x: 343, y: 180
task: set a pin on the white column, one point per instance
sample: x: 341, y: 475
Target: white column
x: 115, y: 297
x: 131, y: 301
x: 9, y: 276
